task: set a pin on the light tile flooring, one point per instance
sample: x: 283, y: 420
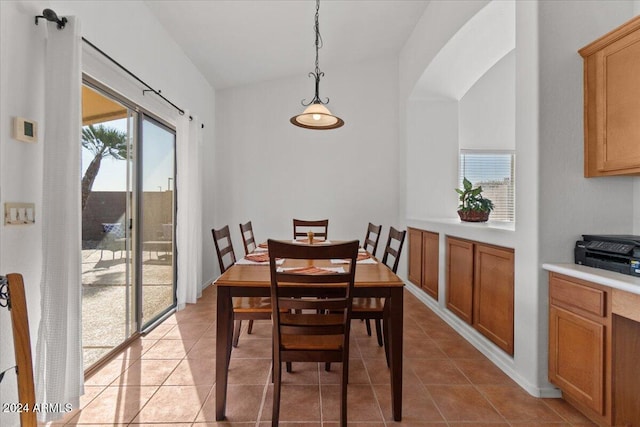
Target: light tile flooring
x: 167, y: 378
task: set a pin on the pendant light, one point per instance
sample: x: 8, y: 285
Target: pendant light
x: 316, y: 115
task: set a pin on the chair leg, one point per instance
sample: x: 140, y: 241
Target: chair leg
x: 289, y: 368
x: 277, y: 374
x: 327, y: 366
x: 379, y: 332
x: 368, y: 324
x: 236, y: 333
x: 250, y: 327
x: 385, y: 329
x: 343, y: 392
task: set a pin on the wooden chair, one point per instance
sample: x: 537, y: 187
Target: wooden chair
x: 370, y: 245
x: 375, y: 308
x: 320, y: 229
x: 12, y: 292
x: 248, y: 239
x: 246, y: 308
x: 394, y: 248
x: 314, y: 328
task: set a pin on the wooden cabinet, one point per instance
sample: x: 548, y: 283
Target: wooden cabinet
x: 424, y: 251
x: 612, y: 102
x: 580, y: 344
x: 493, y: 294
x: 430, y: 261
x: 480, y: 288
x: 415, y: 256
x: 460, y: 278
x: 594, y: 342
x: 626, y: 348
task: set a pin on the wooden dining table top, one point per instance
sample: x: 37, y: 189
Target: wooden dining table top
x: 258, y: 275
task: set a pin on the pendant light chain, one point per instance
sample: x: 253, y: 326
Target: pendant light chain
x: 316, y: 115
x: 318, y: 37
x: 317, y: 74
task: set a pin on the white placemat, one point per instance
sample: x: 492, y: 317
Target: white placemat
x: 244, y: 261
x: 364, y: 261
x: 332, y: 269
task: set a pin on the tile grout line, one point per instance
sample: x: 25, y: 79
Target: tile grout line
x: 375, y: 395
x: 265, y: 390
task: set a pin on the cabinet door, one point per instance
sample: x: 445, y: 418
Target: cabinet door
x: 612, y: 102
x: 493, y: 295
x: 430, y: 260
x: 460, y: 278
x: 619, y: 65
x: 576, y: 357
x: 415, y: 256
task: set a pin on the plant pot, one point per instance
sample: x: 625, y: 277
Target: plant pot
x: 473, y: 216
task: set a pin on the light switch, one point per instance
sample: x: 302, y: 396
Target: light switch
x: 19, y: 213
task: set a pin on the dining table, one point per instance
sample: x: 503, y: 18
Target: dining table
x: 373, y: 279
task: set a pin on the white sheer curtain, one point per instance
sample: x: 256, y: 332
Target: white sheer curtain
x: 189, y: 216
x: 59, y: 368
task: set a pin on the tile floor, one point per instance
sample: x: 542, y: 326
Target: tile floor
x: 167, y: 378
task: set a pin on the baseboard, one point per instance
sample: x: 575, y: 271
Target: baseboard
x: 503, y: 361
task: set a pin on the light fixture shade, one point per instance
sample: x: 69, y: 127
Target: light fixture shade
x: 317, y: 116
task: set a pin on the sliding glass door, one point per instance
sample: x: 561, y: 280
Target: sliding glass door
x: 156, y: 219
x: 128, y: 206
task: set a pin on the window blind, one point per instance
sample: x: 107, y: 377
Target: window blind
x: 495, y: 172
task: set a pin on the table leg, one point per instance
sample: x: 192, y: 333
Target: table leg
x: 395, y: 354
x: 224, y: 323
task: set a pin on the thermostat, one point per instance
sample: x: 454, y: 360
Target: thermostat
x: 25, y: 130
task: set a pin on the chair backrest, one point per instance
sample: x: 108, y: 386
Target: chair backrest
x: 393, y: 248
x: 288, y: 311
x: 224, y: 247
x: 16, y: 302
x: 320, y: 228
x: 248, y: 239
x: 371, y: 243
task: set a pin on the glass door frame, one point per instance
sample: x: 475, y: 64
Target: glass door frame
x: 136, y: 116
x: 138, y: 223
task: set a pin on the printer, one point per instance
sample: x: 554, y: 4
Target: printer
x: 620, y: 253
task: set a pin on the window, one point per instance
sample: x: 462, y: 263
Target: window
x: 495, y: 172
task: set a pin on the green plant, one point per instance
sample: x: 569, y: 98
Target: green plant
x: 101, y: 141
x: 471, y: 198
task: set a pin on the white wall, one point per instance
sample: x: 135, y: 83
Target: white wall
x: 130, y: 34
x: 440, y: 21
x: 269, y: 171
x: 569, y: 203
x: 432, y: 157
x: 524, y: 366
x: 21, y: 88
x: 487, y: 112
x: 554, y: 204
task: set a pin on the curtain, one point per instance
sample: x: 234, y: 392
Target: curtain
x: 59, y: 368
x: 189, y: 212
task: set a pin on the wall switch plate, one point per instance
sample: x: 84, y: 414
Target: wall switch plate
x: 19, y: 213
x: 25, y: 130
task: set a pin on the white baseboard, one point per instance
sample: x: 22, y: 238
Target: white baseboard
x: 486, y: 347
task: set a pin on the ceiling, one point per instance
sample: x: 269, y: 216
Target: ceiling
x: 239, y: 42
x: 481, y: 42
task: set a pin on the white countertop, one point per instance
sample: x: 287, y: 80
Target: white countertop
x: 493, y: 232
x: 612, y: 279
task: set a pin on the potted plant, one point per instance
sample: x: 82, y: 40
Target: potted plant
x: 473, y: 207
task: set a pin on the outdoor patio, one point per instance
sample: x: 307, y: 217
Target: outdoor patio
x: 104, y: 297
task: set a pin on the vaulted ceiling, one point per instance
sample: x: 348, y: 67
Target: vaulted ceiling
x: 238, y: 42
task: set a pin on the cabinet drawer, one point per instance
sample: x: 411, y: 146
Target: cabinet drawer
x: 576, y: 296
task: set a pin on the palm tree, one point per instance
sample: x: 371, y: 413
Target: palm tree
x: 102, y: 142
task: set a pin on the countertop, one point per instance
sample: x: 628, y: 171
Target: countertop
x: 612, y: 279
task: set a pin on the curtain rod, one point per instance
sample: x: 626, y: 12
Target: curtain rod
x: 123, y: 68
x: 51, y: 16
